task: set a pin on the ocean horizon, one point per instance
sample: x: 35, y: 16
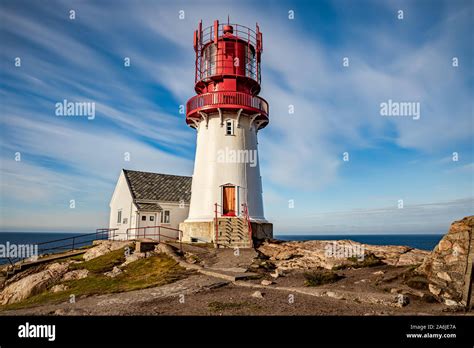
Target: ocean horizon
x: 420, y: 241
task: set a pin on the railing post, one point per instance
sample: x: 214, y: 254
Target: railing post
x: 216, y: 224
x: 73, y: 240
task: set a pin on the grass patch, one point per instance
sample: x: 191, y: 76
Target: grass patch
x: 144, y: 273
x: 217, y: 306
x: 79, y: 257
x: 104, y: 263
x: 321, y: 277
x: 369, y: 261
x: 415, y: 280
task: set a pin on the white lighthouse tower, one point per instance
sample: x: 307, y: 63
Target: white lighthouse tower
x: 226, y: 196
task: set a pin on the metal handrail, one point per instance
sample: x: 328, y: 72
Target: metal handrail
x: 246, y: 214
x: 70, y: 243
x: 239, y: 31
x: 75, y: 241
x: 238, y: 99
x: 215, y: 222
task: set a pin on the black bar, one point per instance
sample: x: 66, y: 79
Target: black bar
x: 215, y: 331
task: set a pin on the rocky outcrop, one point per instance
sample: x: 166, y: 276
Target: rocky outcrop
x: 32, y: 284
x: 102, y: 247
x: 75, y: 275
x: 446, y: 268
x: 330, y: 254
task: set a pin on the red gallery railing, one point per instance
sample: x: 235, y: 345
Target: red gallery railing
x: 232, y: 100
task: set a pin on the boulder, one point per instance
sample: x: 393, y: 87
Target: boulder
x: 133, y: 257
x: 257, y: 294
x: 275, y: 275
x: 59, y: 288
x: 102, y: 247
x: 266, y: 282
x: 447, y: 266
x: 32, y: 284
x: 449, y: 302
x: 114, y: 272
x: 76, y: 274
x: 328, y: 254
x: 334, y: 295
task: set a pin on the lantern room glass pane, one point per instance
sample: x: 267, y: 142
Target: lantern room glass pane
x: 208, y: 62
x: 250, y: 65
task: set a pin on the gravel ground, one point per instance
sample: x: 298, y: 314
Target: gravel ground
x: 200, y: 294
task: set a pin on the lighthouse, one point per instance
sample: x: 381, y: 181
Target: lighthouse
x: 227, y: 113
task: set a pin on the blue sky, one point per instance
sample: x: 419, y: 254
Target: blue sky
x: 301, y: 154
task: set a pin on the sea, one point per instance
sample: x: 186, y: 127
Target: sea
x: 52, y: 241
x: 64, y: 240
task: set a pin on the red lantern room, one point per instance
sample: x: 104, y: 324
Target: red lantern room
x: 227, y: 72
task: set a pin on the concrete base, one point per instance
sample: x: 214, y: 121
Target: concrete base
x: 262, y: 230
x: 204, y: 231
x: 201, y: 231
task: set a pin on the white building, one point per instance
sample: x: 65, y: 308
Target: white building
x: 149, y: 204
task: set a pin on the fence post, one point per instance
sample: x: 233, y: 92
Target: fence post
x: 73, y: 240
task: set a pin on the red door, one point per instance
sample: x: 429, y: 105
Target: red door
x: 228, y: 206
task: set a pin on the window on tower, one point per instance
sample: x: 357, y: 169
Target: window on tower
x: 229, y: 127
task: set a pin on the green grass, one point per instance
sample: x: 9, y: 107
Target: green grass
x: 104, y: 263
x: 321, y: 277
x: 369, y: 260
x: 144, y: 273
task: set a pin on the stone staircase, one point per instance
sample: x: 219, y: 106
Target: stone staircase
x: 233, y: 232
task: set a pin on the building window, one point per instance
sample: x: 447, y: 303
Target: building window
x: 144, y: 218
x: 229, y: 127
x: 165, y: 217
x: 152, y: 218
x: 119, y: 216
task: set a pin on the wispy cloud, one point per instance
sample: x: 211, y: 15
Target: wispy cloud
x: 336, y: 108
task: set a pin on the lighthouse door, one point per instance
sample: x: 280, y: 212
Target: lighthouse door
x: 228, y: 201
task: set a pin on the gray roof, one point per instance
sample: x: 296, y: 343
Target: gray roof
x: 146, y: 186
x: 148, y: 206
